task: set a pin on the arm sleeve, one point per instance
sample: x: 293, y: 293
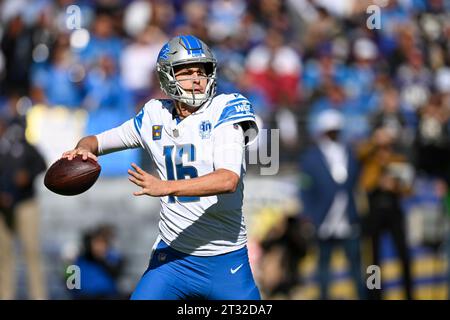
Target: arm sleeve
x: 120, y: 138
x: 229, y: 148
x: 239, y: 110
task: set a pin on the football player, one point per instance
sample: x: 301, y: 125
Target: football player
x: 197, y: 141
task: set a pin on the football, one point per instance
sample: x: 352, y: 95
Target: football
x: 72, y: 177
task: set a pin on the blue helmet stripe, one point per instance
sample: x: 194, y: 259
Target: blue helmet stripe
x: 197, y: 45
x: 186, y: 44
x: 191, y: 42
x: 193, y: 45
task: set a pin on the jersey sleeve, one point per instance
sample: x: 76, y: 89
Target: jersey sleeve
x: 238, y: 109
x: 228, y: 152
x: 125, y: 136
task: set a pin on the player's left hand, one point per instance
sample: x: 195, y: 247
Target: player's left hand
x: 150, y: 185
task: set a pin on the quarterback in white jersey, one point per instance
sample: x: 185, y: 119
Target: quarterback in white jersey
x: 197, y: 142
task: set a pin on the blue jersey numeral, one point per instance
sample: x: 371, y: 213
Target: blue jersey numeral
x: 182, y: 171
x: 169, y: 167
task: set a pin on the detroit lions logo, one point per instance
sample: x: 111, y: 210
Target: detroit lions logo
x: 164, y: 53
x: 205, y: 129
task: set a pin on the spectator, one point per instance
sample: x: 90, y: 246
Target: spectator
x: 432, y: 141
x: 432, y: 160
x: 164, y: 16
x: 283, y: 248
x: 103, y: 41
x: 361, y: 73
x: 414, y: 79
x: 389, y: 115
x: 100, y: 264
x: 59, y: 82
x: 322, y: 69
x: 17, y: 46
x: 274, y: 68
x: 20, y: 164
x: 108, y: 103
x: 330, y: 175
x: 386, y: 178
x: 137, y: 67
x: 196, y: 16
x: 224, y: 20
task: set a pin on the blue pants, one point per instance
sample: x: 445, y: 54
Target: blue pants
x: 352, y: 251
x: 174, y: 275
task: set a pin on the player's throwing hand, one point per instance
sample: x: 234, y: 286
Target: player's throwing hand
x: 150, y: 185
x: 79, y: 151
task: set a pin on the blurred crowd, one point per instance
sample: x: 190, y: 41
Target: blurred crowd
x: 291, y: 58
x: 294, y: 60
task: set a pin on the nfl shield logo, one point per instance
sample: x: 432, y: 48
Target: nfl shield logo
x: 205, y: 129
x: 156, y: 132
x: 162, y: 257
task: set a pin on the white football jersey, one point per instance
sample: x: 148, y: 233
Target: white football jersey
x: 202, y: 226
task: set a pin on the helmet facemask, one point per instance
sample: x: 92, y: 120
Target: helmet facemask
x: 173, y: 87
x: 179, y: 52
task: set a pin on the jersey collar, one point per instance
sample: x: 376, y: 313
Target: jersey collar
x: 198, y: 111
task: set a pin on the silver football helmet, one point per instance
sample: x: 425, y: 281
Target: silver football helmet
x: 183, y: 50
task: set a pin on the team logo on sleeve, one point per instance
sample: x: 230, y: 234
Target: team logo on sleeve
x: 156, y: 132
x: 205, y: 129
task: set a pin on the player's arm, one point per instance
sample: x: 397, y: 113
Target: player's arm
x: 228, y: 156
x: 120, y: 138
x: 216, y: 182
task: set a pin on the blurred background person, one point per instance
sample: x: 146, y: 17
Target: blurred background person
x: 20, y: 164
x: 330, y: 175
x: 431, y: 158
x: 101, y: 264
x: 58, y: 82
x: 136, y: 66
x: 282, y: 250
x: 386, y: 178
x: 16, y: 45
x: 108, y: 103
x: 390, y: 116
x: 104, y: 39
x: 432, y: 141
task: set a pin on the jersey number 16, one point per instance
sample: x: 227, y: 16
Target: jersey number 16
x: 181, y: 171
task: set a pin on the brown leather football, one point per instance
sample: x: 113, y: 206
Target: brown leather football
x: 72, y: 177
